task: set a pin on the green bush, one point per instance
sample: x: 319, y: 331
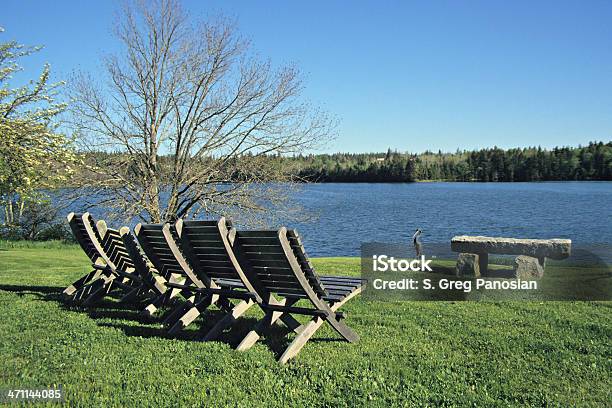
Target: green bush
x: 38, y: 222
x: 57, y: 231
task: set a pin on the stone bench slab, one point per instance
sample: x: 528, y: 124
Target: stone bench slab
x: 537, y: 248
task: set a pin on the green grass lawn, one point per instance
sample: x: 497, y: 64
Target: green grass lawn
x: 410, y: 353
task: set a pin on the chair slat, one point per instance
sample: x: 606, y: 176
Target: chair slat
x: 278, y: 278
x: 275, y: 285
x: 246, y: 240
x: 204, y: 229
x: 281, y: 289
x: 265, y: 256
x: 258, y: 233
x: 275, y: 271
x: 269, y: 263
x: 210, y: 262
x: 206, y: 250
x: 209, y: 269
x: 206, y: 243
x: 204, y: 236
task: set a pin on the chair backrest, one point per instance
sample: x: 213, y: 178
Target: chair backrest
x: 208, y: 247
x: 99, y: 242
x: 279, y: 262
x: 77, y: 221
x: 114, y: 247
x: 203, y: 244
x: 134, y: 251
x: 142, y: 265
x: 300, y: 254
x: 158, y: 242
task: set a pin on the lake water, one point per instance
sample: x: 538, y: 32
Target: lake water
x: 349, y: 214
x: 352, y: 213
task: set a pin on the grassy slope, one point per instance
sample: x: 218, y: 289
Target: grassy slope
x: 410, y: 353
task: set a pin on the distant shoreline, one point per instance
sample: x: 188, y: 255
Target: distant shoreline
x: 592, y: 162
x: 412, y: 182
x: 457, y: 181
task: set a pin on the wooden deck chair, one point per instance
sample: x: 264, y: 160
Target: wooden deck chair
x: 91, y: 237
x: 151, y: 282
x: 208, y: 247
x: 278, y: 262
x: 83, y: 228
x: 119, y: 270
x: 159, y: 243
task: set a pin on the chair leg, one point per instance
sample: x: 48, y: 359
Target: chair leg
x: 291, y: 323
x: 179, y: 310
x: 192, y: 313
x: 84, y: 280
x: 264, y: 324
x: 191, y: 300
x: 85, y: 291
x: 223, y: 303
x: 133, y: 294
x: 99, y: 289
x: 175, y: 278
x: 164, y: 298
x: 152, y: 307
x: 300, y: 340
x: 259, y: 330
x: 308, y: 329
x: 286, y: 318
x: 228, y: 320
x: 342, y: 329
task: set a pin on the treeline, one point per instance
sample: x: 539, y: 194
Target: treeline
x: 592, y: 162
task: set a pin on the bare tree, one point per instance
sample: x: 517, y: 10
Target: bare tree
x: 195, y: 119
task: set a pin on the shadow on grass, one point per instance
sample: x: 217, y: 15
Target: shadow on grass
x: 138, y: 331
x: 51, y: 293
x: 193, y: 332
x: 276, y: 338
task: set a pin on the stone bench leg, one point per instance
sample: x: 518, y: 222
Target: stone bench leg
x: 468, y: 265
x: 527, y: 267
x: 483, y: 261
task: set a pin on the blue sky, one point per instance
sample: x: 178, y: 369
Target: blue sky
x: 406, y: 75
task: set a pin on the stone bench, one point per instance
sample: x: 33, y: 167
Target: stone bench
x: 532, y: 253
